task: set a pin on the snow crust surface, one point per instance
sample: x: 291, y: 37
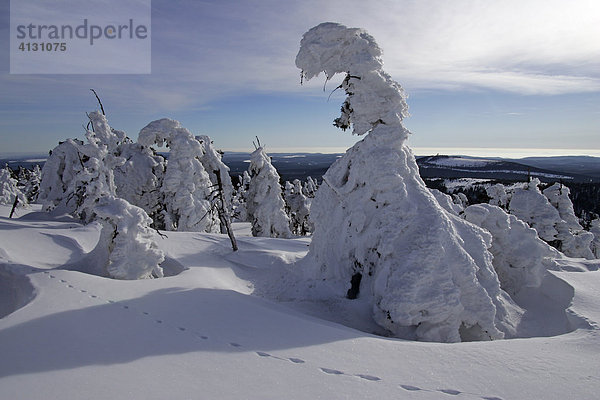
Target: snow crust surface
x: 72, y: 335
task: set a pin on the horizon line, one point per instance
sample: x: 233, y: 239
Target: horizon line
x: 501, y: 152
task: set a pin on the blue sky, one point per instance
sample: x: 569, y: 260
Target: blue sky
x: 479, y: 74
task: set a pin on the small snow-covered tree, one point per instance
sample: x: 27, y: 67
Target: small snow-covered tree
x: 127, y: 248
x: 298, y: 206
x: 213, y: 164
x: 379, y: 232
x: 57, y: 188
x: 521, y: 258
x: 575, y: 241
x: 186, y: 186
x: 240, y: 198
x: 595, y: 230
x: 498, y: 195
x: 310, y: 188
x: 9, y: 190
x: 534, y: 207
x: 265, y: 205
x: 32, y: 186
x: 530, y: 205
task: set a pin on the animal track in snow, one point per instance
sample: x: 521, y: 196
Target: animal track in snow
x: 450, y: 391
x: 332, y: 371
x: 410, y: 388
x: 296, y: 360
x: 369, y: 377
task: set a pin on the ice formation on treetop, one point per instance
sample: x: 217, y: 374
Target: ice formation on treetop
x: 420, y: 267
x: 373, y: 97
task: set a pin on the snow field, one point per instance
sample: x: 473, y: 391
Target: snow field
x: 206, y: 333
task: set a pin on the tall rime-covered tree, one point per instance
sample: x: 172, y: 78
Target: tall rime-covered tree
x: 378, y: 231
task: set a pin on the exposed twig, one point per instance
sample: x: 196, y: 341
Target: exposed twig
x: 99, y: 102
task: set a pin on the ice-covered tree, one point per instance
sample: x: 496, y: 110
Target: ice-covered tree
x: 240, y: 198
x: 139, y: 180
x: 521, y: 258
x: 575, y: 241
x: 9, y: 190
x: 310, y: 188
x: 298, y: 207
x: 213, y: 164
x: 379, y: 232
x: 530, y: 205
x: 186, y: 186
x: 265, y: 205
x: 57, y: 188
x: 32, y: 185
x: 127, y: 247
x: 595, y: 230
x: 498, y: 195
x: 77, y: 175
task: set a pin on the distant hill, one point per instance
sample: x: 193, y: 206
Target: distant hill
x: 580, y: 165
x: 579, y: 169
x: 441, y: 166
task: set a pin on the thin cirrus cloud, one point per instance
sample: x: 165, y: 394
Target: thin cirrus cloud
x: 203, y: 51
x: 531, y: 48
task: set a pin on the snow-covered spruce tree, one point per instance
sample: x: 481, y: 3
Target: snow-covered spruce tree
x: 530, y: 205
x: 298, y: 207
x: 186, y: 186
x: 240, y: 198
x: 595, y: 230
x: 57, y: 188
x: 265, y: 205
x: 213, y: 164
x: 521, y: 258
x: 310, y: 188
x: 32, y: 186
x: 9, y: 190
x: 379, y: 232
x: 498, y: 195
x: 139, y: 179
x: 77, y: 175
x: 575, y: 241
x: 126, y: 249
